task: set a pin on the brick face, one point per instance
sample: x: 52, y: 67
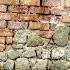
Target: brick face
x: 3, y: 8
x: 8, y: 16
x: 32, y: 17
x: 65, y: 18
x: 2, y: 47
x: 17, y: 25
x: 39, y: 26
x: 3, y: 24
x: 6, y: 32
x: 17, y: 8
x: 33, y: 9
x: 9, y: 40
x: 55, y: 3
x: 2, y: 40
x: 30, y: 2
x: 67, y: 3
x: 14, y: 2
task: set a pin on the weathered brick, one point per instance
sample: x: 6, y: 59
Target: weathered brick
x: 67, y: 3
x: 46, y: 10
x: 56, y: 10
x: 2, y: 47
x: 17, y: 25
x: 30, y: 2
x: 3, y: 8
x: 33, y: 9
x: 9, y: 2
x: 45, y: 18
x: 34, y: 25
x: 2, y: 24
x: 45, y: 34
x: 32, y: 17
x: 6, y: 32
x: 54, y: 22
x: 2, y: 40
x: 9, y: 40
x: 17, y: 8
x: 8, y: 16
x: 44, y: 26
x: 65, y: 18
x: 39, y: 26
x: 66, y: 10
x: 54, y: 3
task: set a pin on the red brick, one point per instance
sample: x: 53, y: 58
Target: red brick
x: 33, y: 9
x: 32, y: 17
x: 8, y: 16
x: 17, y: 8
x: 3, y: 8
x: 9, y: 40
x: 45, y: 18
x: 39, y: 26
x: 45, y: 34
x: 67, y: 3
x: 54, y: 3
x: 65, y: 18
x: 17, y: 25
x: 56, y: 10
x: 2, y: 40
x: 9, y: 2
x: 2, y: 47
x: 6, y: 32
x: 2, y: 24
x: 30, y: 2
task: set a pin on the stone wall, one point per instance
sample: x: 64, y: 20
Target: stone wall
x: 34, y: 34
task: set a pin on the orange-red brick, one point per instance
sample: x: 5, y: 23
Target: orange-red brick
x: 9, y: 40
x: 6, y: 32
x: 17, y: 8
x: 2, y: 24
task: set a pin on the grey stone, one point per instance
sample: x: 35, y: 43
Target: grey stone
x: 30, y: 52
x: 32, y: 61
x: 34, y: 41
x: 46, y: 53
x: 1, y: 65
x: 3, y: 56
x: 20, y: 36
x: 17, y: 46
x: 39, y: 51
x: 60, y: 65
x: 9, y: 65
x: 22, y: 64
x: 40, y: 65
x: 58, y: 53
x: 67, y: 54
x: 12, y: 54
x: 20, y: 52
x: 8, y: 47
x: 46, y: 42
x: 61, y: 35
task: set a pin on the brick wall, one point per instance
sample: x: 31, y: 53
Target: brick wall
x: 34, y: 34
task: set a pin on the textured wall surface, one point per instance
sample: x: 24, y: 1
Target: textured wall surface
x: 34, y: 34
